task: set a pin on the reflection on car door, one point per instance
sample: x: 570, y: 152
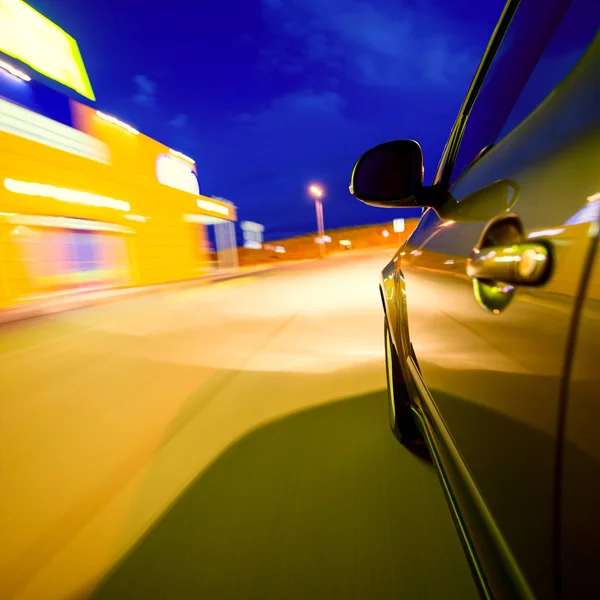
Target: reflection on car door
x: 491, y: 355
x: 580, y: 484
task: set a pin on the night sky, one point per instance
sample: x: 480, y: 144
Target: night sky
x: 271, y: 95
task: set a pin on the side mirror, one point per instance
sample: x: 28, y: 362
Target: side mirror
x: 389, y: 175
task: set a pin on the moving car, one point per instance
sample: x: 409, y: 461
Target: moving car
x: 492, y: 306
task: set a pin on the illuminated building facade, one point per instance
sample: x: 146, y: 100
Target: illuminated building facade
x: 86, y: 199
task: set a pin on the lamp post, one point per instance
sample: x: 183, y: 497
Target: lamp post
x: 317, y: 193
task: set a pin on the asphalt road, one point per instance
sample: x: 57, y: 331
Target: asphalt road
x: 225, y: 441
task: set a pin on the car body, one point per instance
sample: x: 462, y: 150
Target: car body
x: 492, y: 306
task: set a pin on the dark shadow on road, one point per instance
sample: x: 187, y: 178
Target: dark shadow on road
x: 323, y: 504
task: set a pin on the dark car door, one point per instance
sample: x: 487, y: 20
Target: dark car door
x: 579, y: 543
x: 492, y: 356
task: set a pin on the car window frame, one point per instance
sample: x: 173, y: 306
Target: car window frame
x: 446, y: 164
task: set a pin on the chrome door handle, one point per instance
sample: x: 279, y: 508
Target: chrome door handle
x: 527, y: 264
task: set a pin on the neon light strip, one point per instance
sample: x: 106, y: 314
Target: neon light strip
x: 212, y: 207
x: 64, y: 195
x: 63, y: 223
x: 30, y: 125
x: 137, y: 218
x: 181, y: 155
x: 116, y: 121
x: 204, y: 219
x: 15, y: 72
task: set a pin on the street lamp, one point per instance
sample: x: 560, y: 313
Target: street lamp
x: 317, y: 193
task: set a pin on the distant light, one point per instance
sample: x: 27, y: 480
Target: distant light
x: 450, y: 261
x: 252, y: 245
x: 385, y: 233
x: 345, y: 243
x: 64, y: 195
x: 14, y: 72
x: 116, y: 122
x: 327, y: 239
x: 319, y: 240
x: 316, y: 191
x: 212, y: 207
x: 138, y: 218
x: 280, y: 249
x: 181, y: 155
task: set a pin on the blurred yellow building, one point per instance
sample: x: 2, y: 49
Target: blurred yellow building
x: 86, y: 200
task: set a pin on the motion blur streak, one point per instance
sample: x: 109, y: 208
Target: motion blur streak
x: 28, y: 125
x: 91, y: 166
x: 109, y: 413
x: 64, y: 194
x: 62, y: 223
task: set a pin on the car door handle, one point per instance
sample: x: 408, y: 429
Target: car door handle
x: 528, y: 264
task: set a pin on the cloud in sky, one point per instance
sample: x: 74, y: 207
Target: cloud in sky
x: 395, y: 44
x: 352, y: 74
x: 146, y: 91
x: 179, y: 121
x: 271, y: 152
x: 295, y: 105
x: 294, y: 132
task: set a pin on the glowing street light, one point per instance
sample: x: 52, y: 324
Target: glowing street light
x: 317, y: 193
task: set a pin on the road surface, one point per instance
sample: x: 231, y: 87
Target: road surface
x: 225, y: 441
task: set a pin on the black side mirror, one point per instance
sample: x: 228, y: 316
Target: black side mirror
x: 389, y: 175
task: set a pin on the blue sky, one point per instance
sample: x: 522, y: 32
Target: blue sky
x: 271, y: 95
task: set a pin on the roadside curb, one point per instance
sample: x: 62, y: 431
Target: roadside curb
x: 90, y: 298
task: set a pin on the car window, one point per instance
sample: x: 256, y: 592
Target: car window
x: 537, y: 53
